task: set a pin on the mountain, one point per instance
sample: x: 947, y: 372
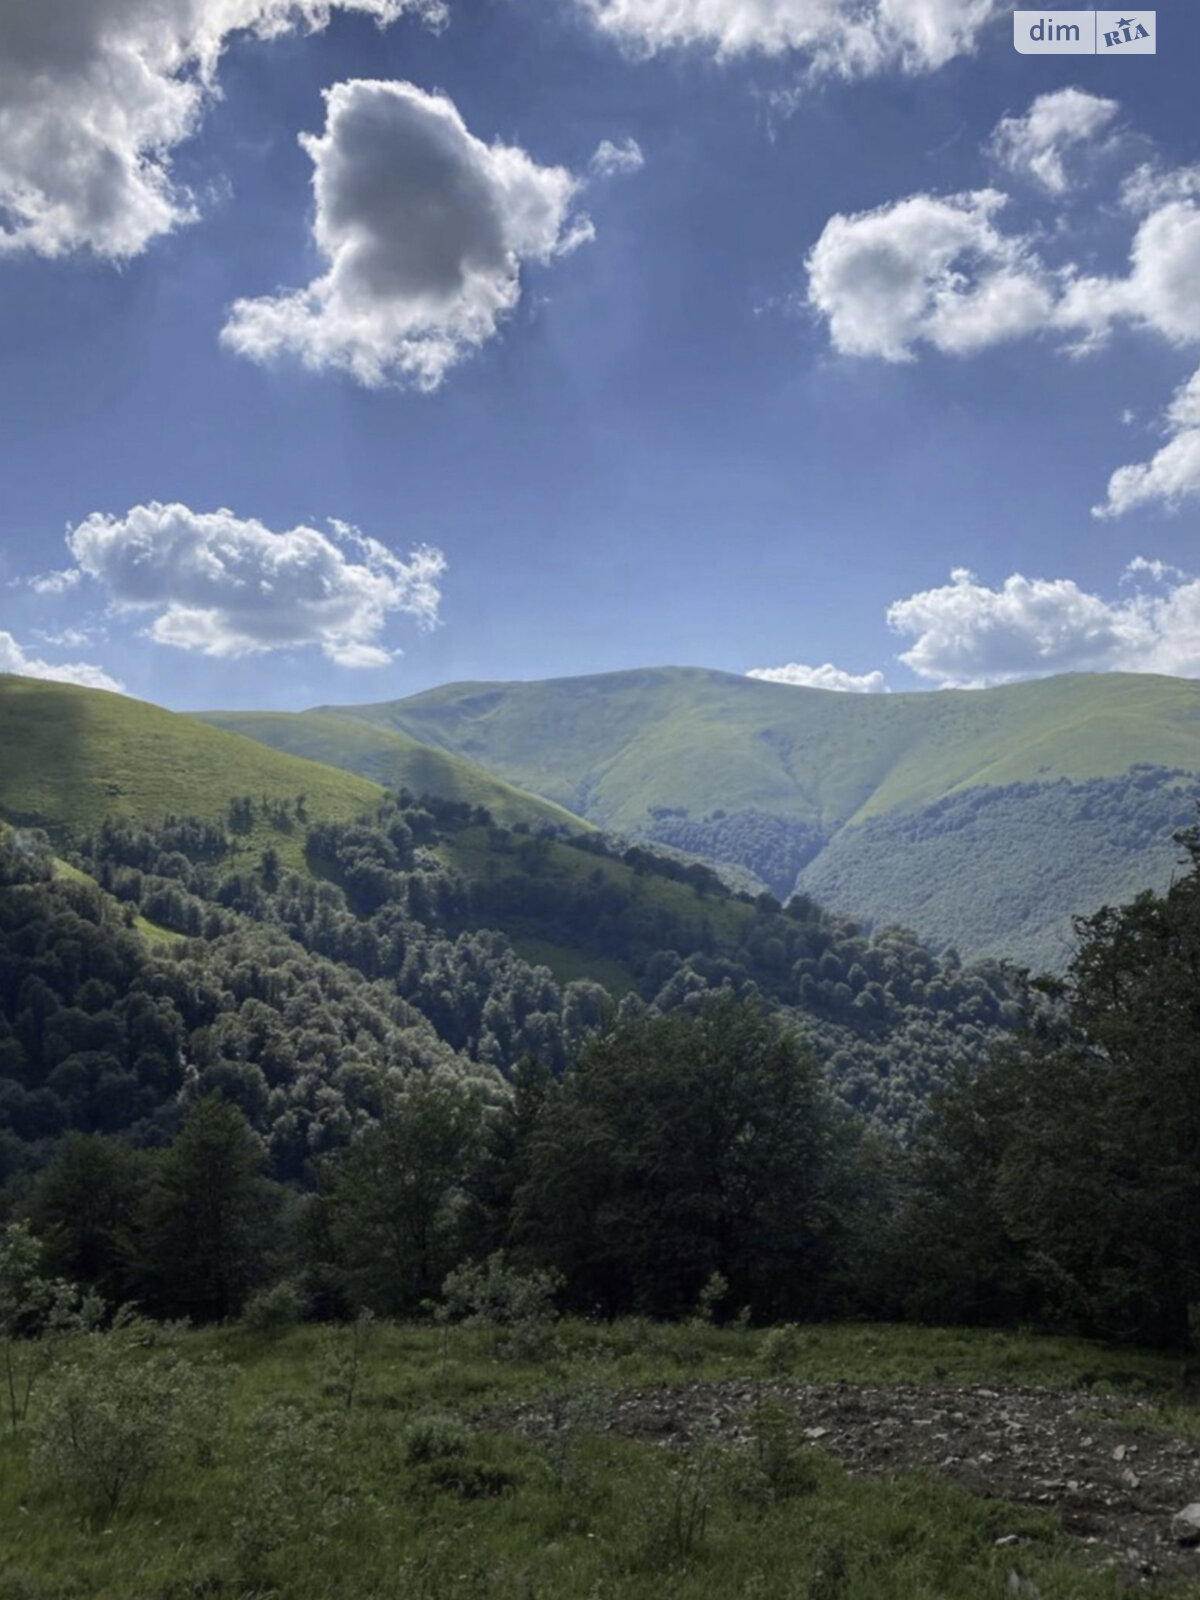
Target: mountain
x: 1068, y: 788
x: 71, y: 757
x: 391, y: 758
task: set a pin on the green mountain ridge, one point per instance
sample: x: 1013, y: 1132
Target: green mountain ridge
x: 799, y: 786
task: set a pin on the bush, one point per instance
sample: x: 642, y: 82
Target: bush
x: 295, y: 1487
x: 434, y: 1438
x: 118, y: 1417
x: 273, y: 1311
x: 779, y: 1349
x: 517, y: 1308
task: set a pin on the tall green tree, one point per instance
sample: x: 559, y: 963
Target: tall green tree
x: 397, y: 1207
x: 683, y: 1146
x: 85, y: 1205
x: 207, y: 1227
x: 1088, y: 1133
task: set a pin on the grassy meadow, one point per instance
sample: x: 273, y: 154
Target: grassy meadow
x: 72, y: 757
x: 397, y: 1463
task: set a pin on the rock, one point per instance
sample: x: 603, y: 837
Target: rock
x: 1185, y: 1524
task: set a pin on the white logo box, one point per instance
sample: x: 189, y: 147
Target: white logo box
x: 1085, y: 33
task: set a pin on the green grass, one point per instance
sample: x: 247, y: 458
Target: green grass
x: 613, y: 746
x: 151, y: 931
x: 393, y: 759
x: 569, y: 965
x: 471, y: 851
x: 70, y: 757
x: 568, y: 1514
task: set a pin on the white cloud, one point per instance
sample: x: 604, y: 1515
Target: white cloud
x: 824, y: 677
x: 941, y: 272
x: 423, y: 229
x: 616, y: 160
x: 1160, y: 571
x: 1161, y: 292
x: 1152, y: 185
x: 65, y: 638
x: 96, y: 94
x: 1035, y: 145
x: 926, y: 270
x: 1173, y: 474
x: 968, y: 636
x: 226, y: 586
x: 14, y: 659
x: 853, y: 38
x: 55, y: 582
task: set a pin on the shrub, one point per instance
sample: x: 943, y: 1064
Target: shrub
x: 118, y: 1417
x: 517, y: 1308
x: 434, y: 1438
x: 295, y: 1486
x: 272, y: 1311
x: 779, y: 1349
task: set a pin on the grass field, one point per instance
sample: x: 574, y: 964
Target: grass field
x: 422, y: 1469
x: 392, y: 759
x: 70, y: 757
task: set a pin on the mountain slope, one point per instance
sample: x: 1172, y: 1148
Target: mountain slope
x: 615, y: 746
x: 802, y: 785
x: 391, y: 758
x: 69, y: 757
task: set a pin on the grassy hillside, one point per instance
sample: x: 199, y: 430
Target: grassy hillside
x: 833, y: 791
x: 70, y: 757
x: 616, y: 746
x: 391, y: 758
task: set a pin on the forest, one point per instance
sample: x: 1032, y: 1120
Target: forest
x: 345, y: 1082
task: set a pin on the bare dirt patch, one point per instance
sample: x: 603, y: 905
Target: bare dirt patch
x: 1115, y: 1481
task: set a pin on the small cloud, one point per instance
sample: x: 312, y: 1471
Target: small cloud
x: 926, y: 271
x: 616, y: 160
x: 14, y: 659
x: 846, y: 38
x: 65, y: 638
x: 824, y: 677
x: 1172, y: 475
x: 1160, y: 571
x: 1035, y: 146
x: 55, y: 582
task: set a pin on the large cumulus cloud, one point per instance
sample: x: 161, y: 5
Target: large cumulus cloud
x: 95, y: 95
x: 967, y: 635
x: 423, y: 230
x: 229, y: 586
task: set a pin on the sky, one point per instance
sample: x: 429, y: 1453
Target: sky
x: 348, y: 349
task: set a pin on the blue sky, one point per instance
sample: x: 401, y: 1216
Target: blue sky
x: 613, y: 335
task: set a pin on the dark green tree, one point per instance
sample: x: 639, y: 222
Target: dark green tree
x: 398, y: 1203
x: 84, y: 1206
x: 680, y: 1146
x: 207, y: 1225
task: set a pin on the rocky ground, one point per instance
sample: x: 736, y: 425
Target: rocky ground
x: 1106, y: 1467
